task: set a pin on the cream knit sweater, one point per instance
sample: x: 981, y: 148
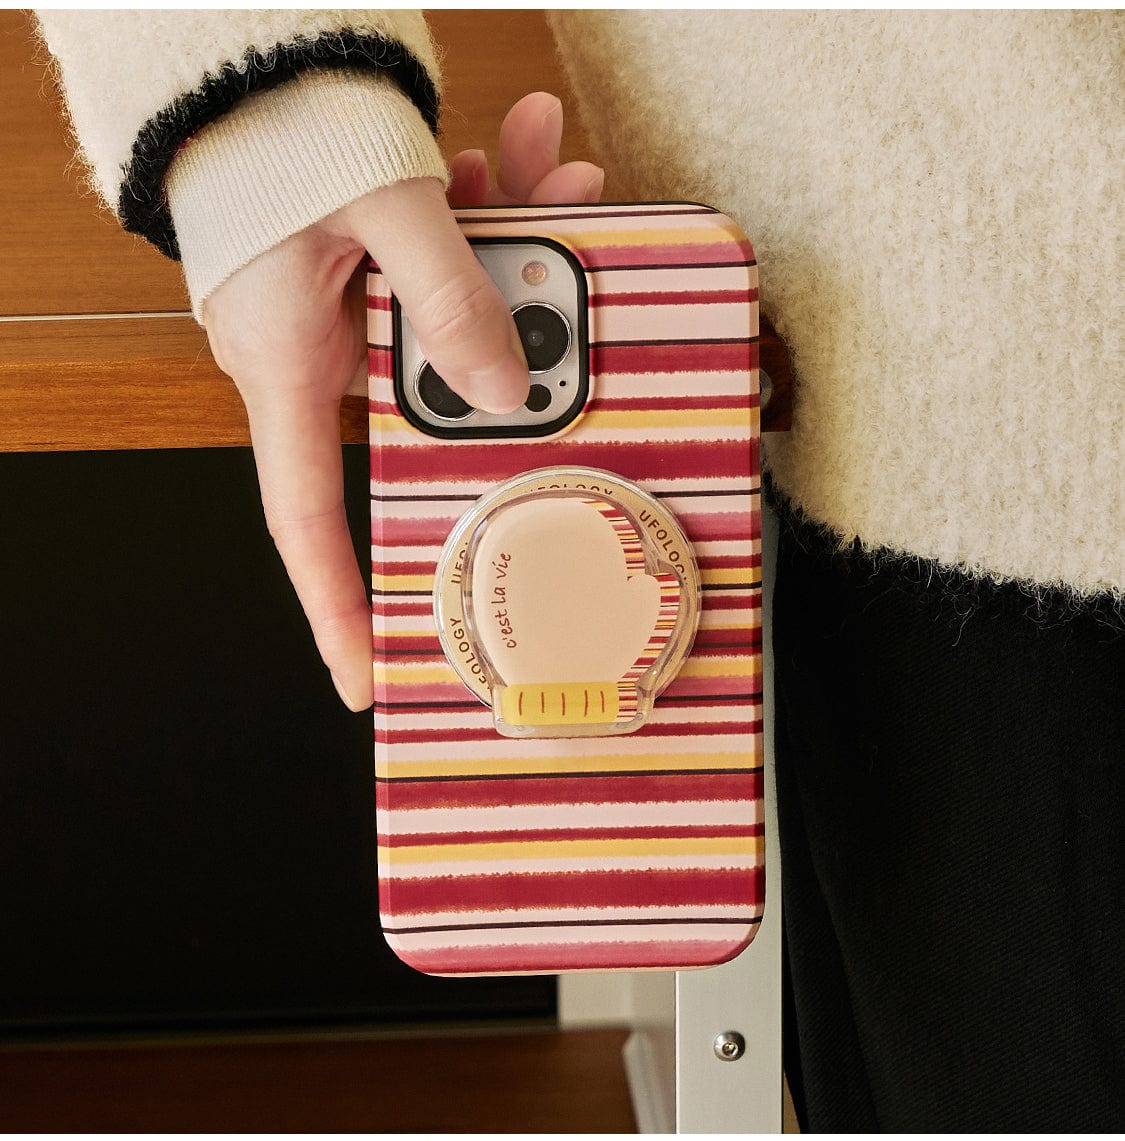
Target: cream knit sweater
x: 262, y: 166
x: 936, y: 204
x: 935, y: 200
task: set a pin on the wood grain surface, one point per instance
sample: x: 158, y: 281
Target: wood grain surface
x: 526, y: 1083
x: 150, y: 382
x: 100, y: 381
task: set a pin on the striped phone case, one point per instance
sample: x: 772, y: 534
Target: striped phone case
x: 500, y: 855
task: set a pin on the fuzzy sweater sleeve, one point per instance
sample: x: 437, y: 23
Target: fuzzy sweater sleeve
x: 217, y: 134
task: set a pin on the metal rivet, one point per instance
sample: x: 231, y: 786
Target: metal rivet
x: 729, y: 1046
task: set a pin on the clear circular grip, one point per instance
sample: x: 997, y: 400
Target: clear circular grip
x: 567, y: 599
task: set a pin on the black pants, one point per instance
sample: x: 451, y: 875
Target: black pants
x: 951, y: 787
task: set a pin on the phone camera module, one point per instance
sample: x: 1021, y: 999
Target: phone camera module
x: 437, y: 397
x: 544, y: 334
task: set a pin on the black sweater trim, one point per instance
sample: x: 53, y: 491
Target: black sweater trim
x: 951, y: 591
x: 142, y: 204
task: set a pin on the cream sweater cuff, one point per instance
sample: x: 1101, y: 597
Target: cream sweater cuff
x: 281, y: 160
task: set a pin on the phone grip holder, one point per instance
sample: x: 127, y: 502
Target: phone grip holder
x: 567, y: 599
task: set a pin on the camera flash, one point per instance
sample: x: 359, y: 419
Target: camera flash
x: 535, y: 273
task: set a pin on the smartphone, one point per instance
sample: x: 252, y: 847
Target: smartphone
x: 606, y: 815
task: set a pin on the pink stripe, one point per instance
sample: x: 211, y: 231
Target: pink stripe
x: 636, y: 461
x: 686, y: 253
x: 562, y: 835
x: 547, y: 957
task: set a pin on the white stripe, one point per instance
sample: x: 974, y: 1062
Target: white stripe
x: 504, y: 818
x: 715, y: 548
x: 627, y: 745
x: 402, y: 869
x: 675, y: 322
x: 640, y: 385
x: 548, y: 914
x: 658, y: 280
x: 723, y: 935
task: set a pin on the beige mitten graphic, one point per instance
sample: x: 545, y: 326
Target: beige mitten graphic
x: 567, y: 598
x: 565, y: 611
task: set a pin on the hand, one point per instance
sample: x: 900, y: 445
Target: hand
x: 290, y: 329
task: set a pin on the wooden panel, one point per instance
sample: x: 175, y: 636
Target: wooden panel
x: 62, y: 252
x: 152, y: 382
x: 131, y: 382
x: 457, y: 1083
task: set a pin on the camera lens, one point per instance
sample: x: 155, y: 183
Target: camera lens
x: 544, y: 334
x: 438, y: 397
x: 538, y: 399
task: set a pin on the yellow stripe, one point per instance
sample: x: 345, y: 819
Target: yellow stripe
x: 735, y: 666
x: 409, y: 673
x: 741, y: 421
x: 422, y: 582
x: 731, y: 418
x: 612, y: 762
x: 722, y: 576
x: 568, y: 849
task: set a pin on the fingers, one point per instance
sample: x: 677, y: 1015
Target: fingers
x: 296, y: 437
x: 468, y: 179
x: 574, y: 182
x: 530, y: 137
x: 464, y: 326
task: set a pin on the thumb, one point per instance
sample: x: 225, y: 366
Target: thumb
x: 464, y: 326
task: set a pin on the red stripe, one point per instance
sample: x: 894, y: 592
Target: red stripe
x: 707, y: 686
x: 379, y: 301
x: 561, y: 835
x: 662, y: 888
x: 554, y: 957
x: 672, y: 358
x: 667, y: 403
x: 426, y: 568
x: 733, y: 600
x: 402, y: 607
x: 499, y: 792
x: 676, y: 297
x: 422, y: 531
x: 380, y: 362
x: 637, y: 461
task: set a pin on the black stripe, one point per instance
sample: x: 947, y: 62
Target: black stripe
x: 674, y: 341
x: 545, y: 216
x: 752, y: 490
x: 142, y: 204
x: 741, y: 920
x: 731, y: 586
x: 556, y: 776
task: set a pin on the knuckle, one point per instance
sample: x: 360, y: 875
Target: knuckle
x: 457, y: 309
